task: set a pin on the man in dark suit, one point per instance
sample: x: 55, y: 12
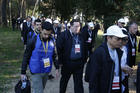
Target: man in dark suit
x: 26, y: 29
x: 104, y: 67
x: 72, y: 56
x: 132, y: 28
x: 13, y: 23
x: 89, y: 36
x: 56, y: 28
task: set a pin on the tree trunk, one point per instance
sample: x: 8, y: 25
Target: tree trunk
x: 21, y: 8
x: 0, y: 12
x: 9, y: 12
x: 24, y: 10
x: 37, y: 1
x: 4, y: 15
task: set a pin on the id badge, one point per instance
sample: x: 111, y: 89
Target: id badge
x: 46, y: 62
x: 133, y: 52
x: 55, y: 35
x: 89, y: 40
x: 77, y: 48
x: 116, y: 83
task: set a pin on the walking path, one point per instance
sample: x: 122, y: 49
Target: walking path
x: 52, y: 86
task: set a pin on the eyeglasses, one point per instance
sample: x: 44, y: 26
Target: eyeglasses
x: 123, y: 39
x: 117, y: 38
x: 122, y: 23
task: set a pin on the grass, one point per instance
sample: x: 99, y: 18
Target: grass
x: 11, y: 51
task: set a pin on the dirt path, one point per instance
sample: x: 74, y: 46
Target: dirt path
x: 52, y: 86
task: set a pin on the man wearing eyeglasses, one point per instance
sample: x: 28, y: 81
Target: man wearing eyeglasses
x: 104, y: 68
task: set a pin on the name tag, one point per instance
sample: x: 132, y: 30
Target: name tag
x: 46, y: 62
x: 89, y: 40
x: 116, y: 83
x: 133, y: 52
x: 55, y: 35
x: 77, y: 48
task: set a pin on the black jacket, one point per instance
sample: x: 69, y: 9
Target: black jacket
x: 25, y: 32
x: 86, y: 35
x: 64, y: 46
x: 100, y: 70
x: 131, y: 59
x: 58, y: 31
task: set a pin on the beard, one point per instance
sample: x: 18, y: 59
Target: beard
x: 45, y: 39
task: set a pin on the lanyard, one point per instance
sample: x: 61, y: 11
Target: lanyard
x: 45, y: 49
x: 55, y: 30
x: 89, y: 32
x: 35, y: 33
x: 132, y: 41
x: 75, y: 37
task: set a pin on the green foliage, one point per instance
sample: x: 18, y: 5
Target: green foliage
x: 46, y: 7
x: 16, y: 5
x: 65, y: 8
x: 131, y: 8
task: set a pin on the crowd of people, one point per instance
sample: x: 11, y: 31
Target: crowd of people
x: 69, y: 47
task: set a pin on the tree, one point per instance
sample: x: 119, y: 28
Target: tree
x: 0, y: 12
x: 4, y: 14
x: 132, y: 9
x: 37, y: 1
x: 66, y: 8
x: 46, y: 7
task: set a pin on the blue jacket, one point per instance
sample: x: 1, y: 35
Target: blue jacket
x: 34, y: 55
x: 36, y: 63
x: 31, y: 35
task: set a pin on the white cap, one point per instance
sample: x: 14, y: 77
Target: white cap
x: 124, y: 29
x: 121, y: 20
x: 68, y: 24
x: 55, y: 21
x: 115, y: 31
x: 48, y: 20
x: 90, y: 24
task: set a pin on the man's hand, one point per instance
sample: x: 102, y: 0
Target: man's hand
x: 22, y: 38
x: 127, y: 70
x: 57, y: 73
x: 23, y: 77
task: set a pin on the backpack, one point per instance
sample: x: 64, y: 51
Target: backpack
x: 23, y: 87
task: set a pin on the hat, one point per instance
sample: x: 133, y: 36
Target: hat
x: 115, y: 31
x: 121, y: 20
x: 48, y: 20
x: 55, y: 21
x: 90, y: 24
